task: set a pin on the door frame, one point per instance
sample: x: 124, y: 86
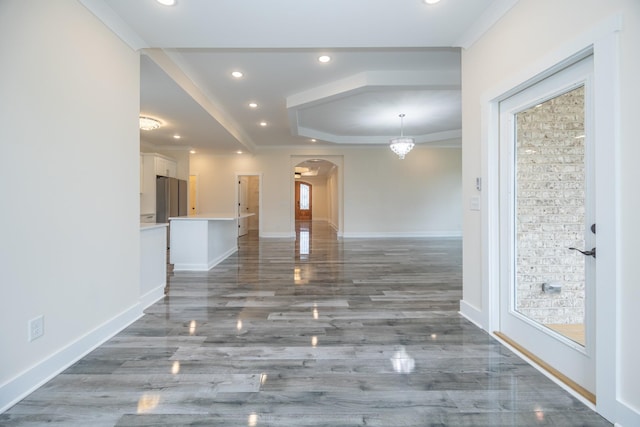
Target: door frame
x: 297, y: 184
x: 603, y: 43
x: 236, y: 192
x: 576, y: 360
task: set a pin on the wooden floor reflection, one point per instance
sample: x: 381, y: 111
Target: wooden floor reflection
x: 316, y: 331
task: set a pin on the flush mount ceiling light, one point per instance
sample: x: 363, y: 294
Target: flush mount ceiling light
x: 147, y: 123
x: 253, y: 105
x: 167, y: 2
x: 263, y: 124
x: 401, y: 145
x: 237, y: 74
x: 431, y: 1
x: 324, y: 58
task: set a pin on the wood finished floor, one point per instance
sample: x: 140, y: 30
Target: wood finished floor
x: 354, y: 332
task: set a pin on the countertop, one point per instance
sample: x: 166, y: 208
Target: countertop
x: 210, y: 217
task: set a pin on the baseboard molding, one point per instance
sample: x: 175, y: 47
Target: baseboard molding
x: 208, y: 266
x: 28, y: 381
x: 275, y: 235
x: 152, y: 296
x: 471, y: 313
x: 407, y: 234
x: 626, y: 416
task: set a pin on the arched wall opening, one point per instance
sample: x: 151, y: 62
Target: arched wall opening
x: 325, y: 174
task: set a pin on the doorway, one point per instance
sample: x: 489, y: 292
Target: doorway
x: 248, y: 203
x: 303, y: 201
x: 547, y: 224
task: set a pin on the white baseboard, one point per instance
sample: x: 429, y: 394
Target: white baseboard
x: 471, y: 313
x: 276, y: 235
x: 397, y: 234
x: 627, y: 416
x: 152, y: 296
x: 28, y: 381
x: 205, y: 267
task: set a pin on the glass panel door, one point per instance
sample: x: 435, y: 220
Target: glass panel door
x: 547, y: 224
x: 550, y: 213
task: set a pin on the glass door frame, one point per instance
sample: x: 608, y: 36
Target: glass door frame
x: 568, y: 357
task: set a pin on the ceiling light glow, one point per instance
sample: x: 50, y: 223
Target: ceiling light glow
x: 431, y: 1
x: 237, y: 74
x: 239, y: 152
x: 324, y: 58
x: 263, y: 124
x: 253, y: 105
x: 176, y: 136
x: 192, y: 151
x: 148, y: 123
x: 167, y: 2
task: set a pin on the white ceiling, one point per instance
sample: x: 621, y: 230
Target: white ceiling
x: 388, y: 57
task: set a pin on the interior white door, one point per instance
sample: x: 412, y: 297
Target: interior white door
x: 243, y: 205
x: 547, y: 202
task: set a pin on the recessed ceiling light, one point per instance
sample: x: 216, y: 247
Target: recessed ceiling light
x: 324, y: 58
x: 263, y: 124
x: 253, y: 105
x: 237, y: 74
x: 313, y: 140
x: 167, y: 2
x: 431, y: 1
x: 239, y: 152
x: 176, y: 136
x: 193, y: 151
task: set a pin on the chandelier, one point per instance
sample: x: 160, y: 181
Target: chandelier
x: 401, y: 145
x: 147, y: 123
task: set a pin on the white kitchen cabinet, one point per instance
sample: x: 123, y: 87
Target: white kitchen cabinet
x: 165, y: 166
x: 153, y: 164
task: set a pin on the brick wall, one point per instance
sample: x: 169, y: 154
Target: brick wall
x: 550, y: 208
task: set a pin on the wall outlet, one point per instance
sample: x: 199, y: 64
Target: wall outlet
x: 36, y: 328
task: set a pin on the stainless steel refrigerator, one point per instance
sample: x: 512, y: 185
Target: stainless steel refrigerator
x: 171, y: 200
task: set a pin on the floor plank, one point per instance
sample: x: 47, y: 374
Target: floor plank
x: 355, y: 332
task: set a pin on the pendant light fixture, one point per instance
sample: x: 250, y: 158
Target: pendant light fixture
x: 401, y: 145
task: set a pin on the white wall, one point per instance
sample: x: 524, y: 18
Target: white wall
x: 69, y: 224
x: 521, y: 40
x: 383, y: 196
x: 420, y: 195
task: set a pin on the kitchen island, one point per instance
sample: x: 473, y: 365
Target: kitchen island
x: 200, y: 242
x: 153, y: 262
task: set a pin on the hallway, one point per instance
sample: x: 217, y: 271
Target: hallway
x: 316, y: 332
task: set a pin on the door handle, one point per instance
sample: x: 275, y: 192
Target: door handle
x: 592, y: 252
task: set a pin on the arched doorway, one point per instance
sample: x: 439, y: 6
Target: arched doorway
x: 323, y: 175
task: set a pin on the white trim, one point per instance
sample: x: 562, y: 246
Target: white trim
x: 31, y: 379
x: 482, y: 24
x: 205, y: 267
x: 151, y: 297
x: 626, y: 416
x: 472, y: 314
x: 115, y: 23
x: 277, y: 235
x: 403, y: 234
